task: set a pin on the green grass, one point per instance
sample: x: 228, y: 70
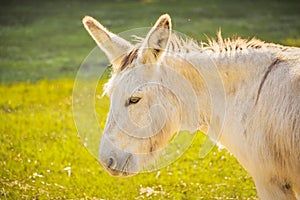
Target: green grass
x: 39, y: 140
x: 42, y: 44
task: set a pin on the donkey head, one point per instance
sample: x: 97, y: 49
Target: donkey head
x: 144, y: 114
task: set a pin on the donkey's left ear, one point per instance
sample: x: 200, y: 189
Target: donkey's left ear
x: 157, y: 40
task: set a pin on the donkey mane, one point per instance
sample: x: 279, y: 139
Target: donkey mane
x: 181, y: 45
x: 219, y: 45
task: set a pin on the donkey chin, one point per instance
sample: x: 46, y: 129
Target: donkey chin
x: 117, y: 172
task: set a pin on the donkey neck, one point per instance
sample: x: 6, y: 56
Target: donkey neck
x: 219, y: 77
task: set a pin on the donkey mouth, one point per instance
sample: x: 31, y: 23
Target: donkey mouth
x: 120, y: 170
x: 117, y: 173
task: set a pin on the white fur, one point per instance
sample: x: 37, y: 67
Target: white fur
x: 261, y: 125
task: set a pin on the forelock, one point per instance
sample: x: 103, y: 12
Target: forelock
x: 128, y: 59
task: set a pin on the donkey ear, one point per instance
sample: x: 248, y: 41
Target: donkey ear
x: 157, y: 40
x: 112, y: 45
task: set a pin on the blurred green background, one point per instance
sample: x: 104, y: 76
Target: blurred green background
x: 42, y: 44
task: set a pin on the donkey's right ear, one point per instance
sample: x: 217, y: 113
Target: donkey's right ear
x: 157, y: 40
x: 112, y: 45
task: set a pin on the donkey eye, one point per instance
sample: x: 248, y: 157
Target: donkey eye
x: 134, y: 100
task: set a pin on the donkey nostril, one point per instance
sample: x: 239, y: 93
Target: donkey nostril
x: 111, y: 163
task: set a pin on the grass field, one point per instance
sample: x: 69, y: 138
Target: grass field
x: 42, y: 45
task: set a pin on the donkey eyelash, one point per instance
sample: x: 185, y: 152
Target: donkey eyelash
x: 134, y: 100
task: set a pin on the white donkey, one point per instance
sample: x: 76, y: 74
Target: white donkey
x: 261, y: 83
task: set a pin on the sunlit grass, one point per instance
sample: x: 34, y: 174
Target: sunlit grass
x: 42, y: 156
